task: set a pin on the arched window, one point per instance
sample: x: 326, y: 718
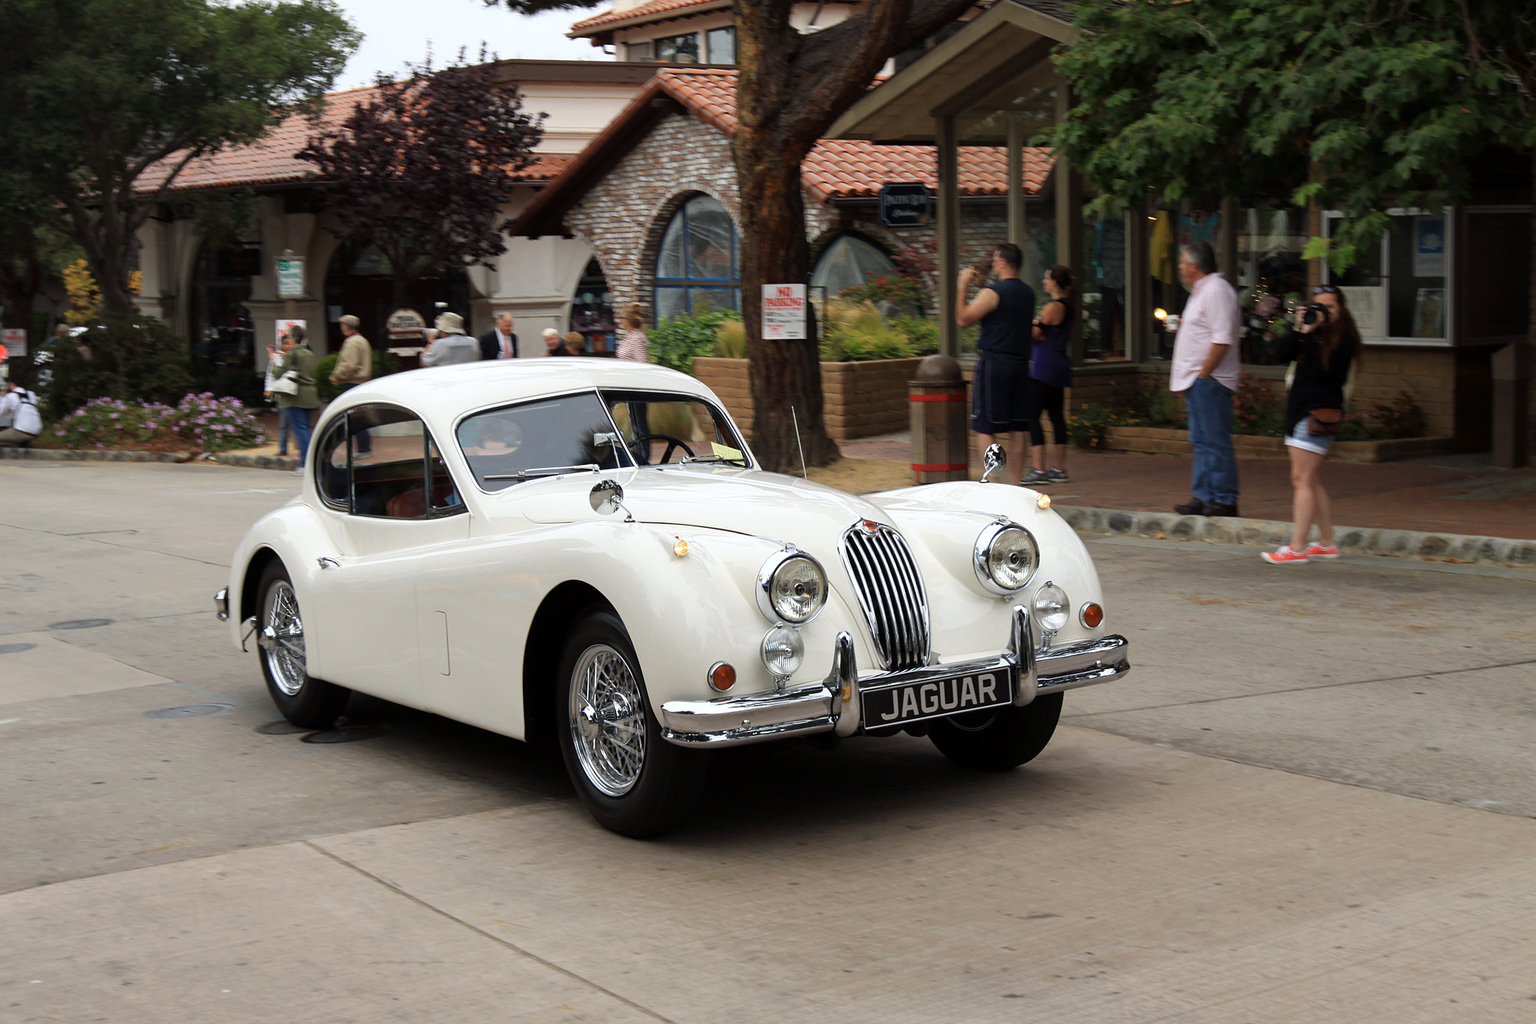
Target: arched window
x: 696, y: 264
x: 849, y: 262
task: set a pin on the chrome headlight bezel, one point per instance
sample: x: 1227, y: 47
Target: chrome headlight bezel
x: 767, y: 576
x: 982, y: 556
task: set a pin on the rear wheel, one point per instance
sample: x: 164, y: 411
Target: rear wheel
x: 996, y: 739
x: 303, y: 700
x: 630, y: 779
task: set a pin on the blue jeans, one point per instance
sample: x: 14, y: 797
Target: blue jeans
x: 298, y: 423
x: 1214, y: 478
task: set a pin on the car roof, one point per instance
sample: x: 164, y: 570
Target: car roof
x: 442, y: 393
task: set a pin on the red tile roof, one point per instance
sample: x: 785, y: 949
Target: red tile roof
x: 851, y: 168
x: 643, y: 13
x: 271, y: 161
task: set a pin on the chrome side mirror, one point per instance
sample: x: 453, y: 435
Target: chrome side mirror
x: 993, y: 459
x: 607, y: 497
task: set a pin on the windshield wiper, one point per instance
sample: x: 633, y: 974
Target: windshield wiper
x: 526, y: 474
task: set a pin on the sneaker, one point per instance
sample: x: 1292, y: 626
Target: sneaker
x: 360, y: 456
x: 298, y: 471
x: 1036, y: 476
x: 1285, y: 556
x: 1057, y: 476
x: 1326, y: 554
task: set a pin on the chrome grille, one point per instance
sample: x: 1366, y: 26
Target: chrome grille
x: 890, y: 591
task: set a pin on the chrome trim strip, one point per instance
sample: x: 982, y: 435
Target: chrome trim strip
x: 727, y: 721
x: 221, y: 604
x: 891, y: 595
x: 1084, y: 663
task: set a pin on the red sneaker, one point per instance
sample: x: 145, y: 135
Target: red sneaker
x: 1319, y: 552
x: 1285, y: 556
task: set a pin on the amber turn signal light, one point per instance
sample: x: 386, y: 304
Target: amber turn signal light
x: 1092, y: 615
x: 722, y: 676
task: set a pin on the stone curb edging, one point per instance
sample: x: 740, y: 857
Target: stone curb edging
x: 1269, y: 533
x: 245, y: 459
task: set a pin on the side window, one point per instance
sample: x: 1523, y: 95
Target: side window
x: 403, y: 477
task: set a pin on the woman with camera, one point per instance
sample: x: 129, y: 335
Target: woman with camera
x: 1324, y: 345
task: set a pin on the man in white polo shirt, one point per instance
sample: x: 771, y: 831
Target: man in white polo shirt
x: 1206, y: 370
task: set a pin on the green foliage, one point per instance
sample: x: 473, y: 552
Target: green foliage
x: 106, y: 100
x: 1372, y: 103
x: 133, y: 359
x: 384, y: 363
x: 200, y: 422
x: 900, y: 290
x: 922, y: 335
x: 855, y: 331
x: 1091, y: 423
x: 1257, y: 409
x: 678, y: 339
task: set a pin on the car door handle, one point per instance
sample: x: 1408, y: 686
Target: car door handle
x: 328, y: 563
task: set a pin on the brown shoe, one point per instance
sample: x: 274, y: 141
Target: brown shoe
x: 1219, y: 509
x: 1192, y: 507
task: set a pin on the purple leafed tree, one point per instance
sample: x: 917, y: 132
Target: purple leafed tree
x: 423, y: 170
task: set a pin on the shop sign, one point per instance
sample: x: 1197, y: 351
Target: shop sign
x: 405, y: 324
x: 282, y: 329
x: 783, y: 312
x: 905, y: 204
x: 16, y: 340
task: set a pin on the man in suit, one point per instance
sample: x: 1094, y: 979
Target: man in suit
x: 499, y: 342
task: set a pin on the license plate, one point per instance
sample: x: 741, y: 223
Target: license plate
x: 935, y: 698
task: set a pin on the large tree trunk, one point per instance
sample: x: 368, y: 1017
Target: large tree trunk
x: 786, y: 375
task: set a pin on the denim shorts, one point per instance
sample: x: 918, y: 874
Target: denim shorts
x: 1307, y: 441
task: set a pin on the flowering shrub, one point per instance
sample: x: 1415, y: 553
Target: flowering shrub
x: 215, y: 424
x: 1257, y: 410
x: 1090, y: 424
x: 201, y: 422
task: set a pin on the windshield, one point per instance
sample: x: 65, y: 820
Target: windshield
x: 661, y: 428
x: 544, y: 438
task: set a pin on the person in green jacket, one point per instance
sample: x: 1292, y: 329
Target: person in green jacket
x: 298, y: 408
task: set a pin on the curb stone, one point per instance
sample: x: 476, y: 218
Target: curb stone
x: 91, y: 455
x: 1267, y: 533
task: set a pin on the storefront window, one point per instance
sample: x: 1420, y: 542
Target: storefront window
x: 1399, y: 288
x: 592, y: 311
x: 849, y: 262
x: 1101, y: 280
x: 1270, y: 278
x: 696, y: 263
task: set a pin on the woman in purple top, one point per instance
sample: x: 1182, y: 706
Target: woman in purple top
x: 1050, y: 374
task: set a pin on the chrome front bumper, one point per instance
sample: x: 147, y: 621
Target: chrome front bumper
x: 817, y: 707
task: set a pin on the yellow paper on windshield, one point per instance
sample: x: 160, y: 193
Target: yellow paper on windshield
x: 726, y: 452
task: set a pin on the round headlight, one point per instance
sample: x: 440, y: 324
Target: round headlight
x: 1006, y: 557
x: 1051, y: 607
x: 783, y: 651
x: 791, y: 587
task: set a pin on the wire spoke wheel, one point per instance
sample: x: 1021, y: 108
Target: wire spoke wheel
x: 607, y: 720
x: 282, y: 638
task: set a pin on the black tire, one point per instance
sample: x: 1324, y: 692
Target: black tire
x: 303, y: 700
x: 1000, y: 739
x: 631, y: 780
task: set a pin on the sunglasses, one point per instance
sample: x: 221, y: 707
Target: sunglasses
x: 1326, y: 289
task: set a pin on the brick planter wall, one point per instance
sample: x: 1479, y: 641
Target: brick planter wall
x: 861, y: 399
x: 1166, y: 441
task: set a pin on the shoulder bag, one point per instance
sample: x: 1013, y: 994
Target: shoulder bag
x: 1325, y: 422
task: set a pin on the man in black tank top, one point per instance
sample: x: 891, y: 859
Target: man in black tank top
x: 1005, y: 309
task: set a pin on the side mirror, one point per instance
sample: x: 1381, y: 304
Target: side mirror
x: 607, y: 497
x: 993, y: 459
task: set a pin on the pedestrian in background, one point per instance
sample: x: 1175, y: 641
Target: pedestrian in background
x: 1004, y: 309
x: 19, y: 411
x: 266, y: 392
x: 1206, y: 369
x: 451, y: 345
x: 300, y: 405
x: 499, y: 342
x: 553, y: 344
x: 1050, y: 374
x: 575, y: 344
x: 354, y: 366
x: 633, y: 344
x: 1324, y: 351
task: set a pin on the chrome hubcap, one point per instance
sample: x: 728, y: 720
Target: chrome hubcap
x: 281, y: 639
x: 607, y: 720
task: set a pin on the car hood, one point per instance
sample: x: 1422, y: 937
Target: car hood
x: 752, y: 502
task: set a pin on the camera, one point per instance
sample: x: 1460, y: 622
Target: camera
x: 1315, y: 313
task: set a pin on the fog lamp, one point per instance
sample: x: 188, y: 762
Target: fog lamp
x: 1051, y: 608
x: 783, y: 651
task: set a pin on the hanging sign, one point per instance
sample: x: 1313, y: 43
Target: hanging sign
x: 290, y: 278
x: 905, y: 204
x: 405, y: 324
x: 16, y: 340
x: 783, y: 312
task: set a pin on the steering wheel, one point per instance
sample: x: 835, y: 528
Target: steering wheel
x: 643, y: 442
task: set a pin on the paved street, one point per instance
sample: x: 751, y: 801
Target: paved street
x: 1313, y: 800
